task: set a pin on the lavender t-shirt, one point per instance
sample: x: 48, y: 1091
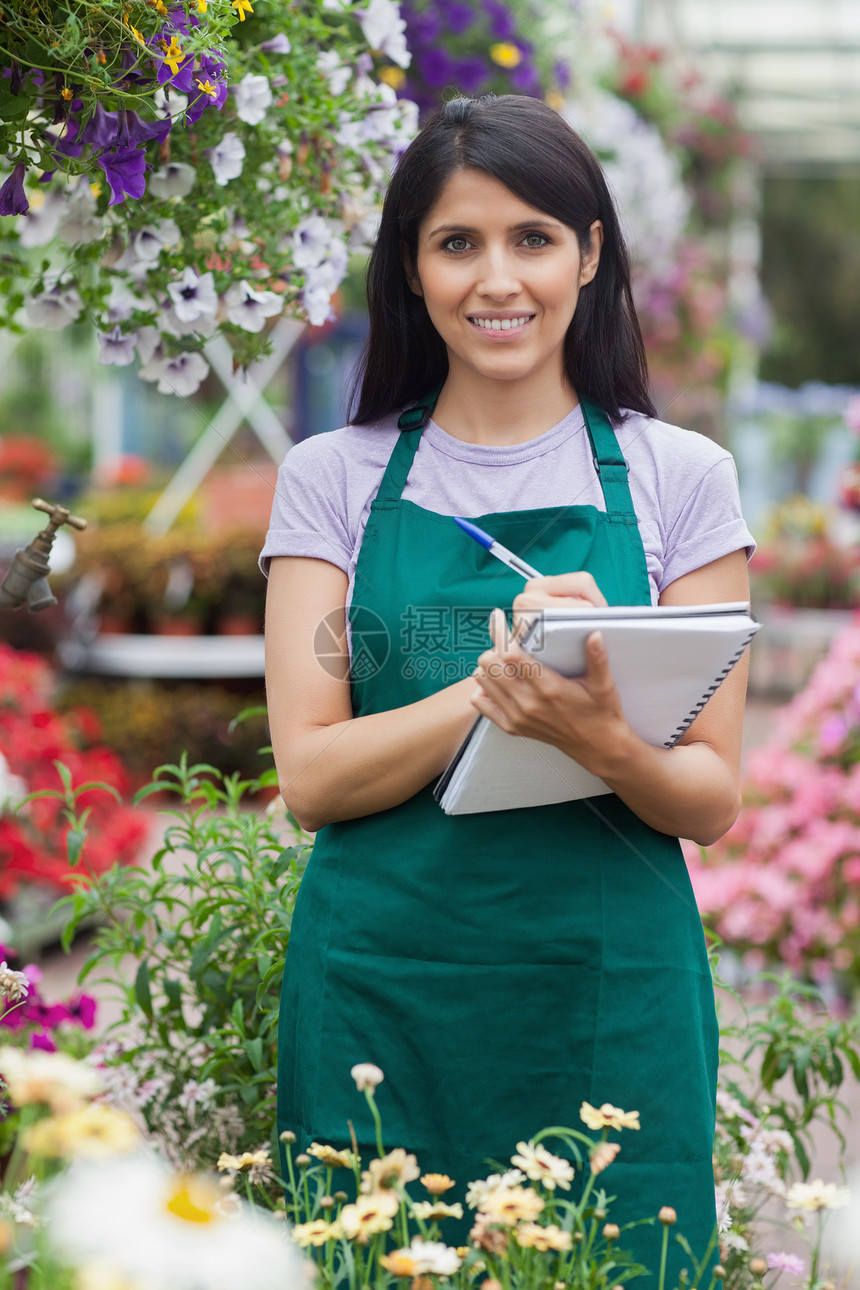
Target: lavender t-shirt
x: 684, y: 488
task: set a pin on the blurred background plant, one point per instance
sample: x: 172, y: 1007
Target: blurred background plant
x: 800, y: 563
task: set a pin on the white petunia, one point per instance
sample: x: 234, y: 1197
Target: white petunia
x: 54, y: 309
x: 179, y: 374
x: 193, y: 297
x: 317, y: 303
x: 336, y: 73
x: 42, y: 222
x: 162, y: 1230
x: 279, y: 44
x: 249, y: 309
x: 80, y: 224
x: 148, y: 244
x: 312, y: 240
x: 252, y: 96
x: 384, y: 30
x: 117, y: 350
x: 227, y: 158
x: 173, y: 180
x: 203, y: 325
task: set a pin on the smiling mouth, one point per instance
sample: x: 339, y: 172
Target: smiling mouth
x: 501, y: 324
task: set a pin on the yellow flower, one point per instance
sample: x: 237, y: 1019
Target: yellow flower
x: 369, y: 1215
x: 533, y: 1236
x: 555, y: 100
x: 134, y: 31
x: 331, y: 1156
x: 393, y: 76
x: 506, y: 54
x: 173, y: 55
x: 542, y: 1166
x: 207, y: 88
x: 511, y: 1204
x: 603, y: 1155
x: 608, y: 1117
x: 193, y: 1198
x: 817, y: 1195
x: 316, y: 1232
x: 246, y: 1162
x: 93, y: 1131
x: 242, y: 7
x: 394, y: 1170
x: 96, y: 190
x: 437, y: 1184
x: 161, y: 7
x: 434, y: 1209
x: 52, y: 1078
x: 399, y: 1263
x: 202, y: 6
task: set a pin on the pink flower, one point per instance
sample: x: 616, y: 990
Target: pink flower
x: 784, y: 1262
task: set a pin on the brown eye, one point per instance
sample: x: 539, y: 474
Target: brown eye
x: 535, y: 240
x: 455, y: 244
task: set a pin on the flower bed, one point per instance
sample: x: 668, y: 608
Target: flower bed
x: 781, y: 886
x: 37, y: 839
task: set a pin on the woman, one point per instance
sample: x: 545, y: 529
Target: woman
x: 504, y: 967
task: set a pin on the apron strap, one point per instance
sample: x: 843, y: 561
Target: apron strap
x: 411, y: 423
x: 609, y: 460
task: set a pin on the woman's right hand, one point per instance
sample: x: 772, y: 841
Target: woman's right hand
x: 559, y: 591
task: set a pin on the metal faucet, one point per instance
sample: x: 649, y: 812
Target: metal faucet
x: 26, y: 580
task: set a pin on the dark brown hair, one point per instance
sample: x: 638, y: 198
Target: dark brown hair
x: 527, y: 146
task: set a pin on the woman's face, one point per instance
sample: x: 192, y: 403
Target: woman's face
x: 500, y: 279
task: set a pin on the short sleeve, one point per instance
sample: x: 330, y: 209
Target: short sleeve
x: 709, y: 525
x: 309, y: 511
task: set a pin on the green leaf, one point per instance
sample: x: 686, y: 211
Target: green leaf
x: 254, y: 1049
x: 142, y: 992
x: 75, y: 839
x: 173, y: 990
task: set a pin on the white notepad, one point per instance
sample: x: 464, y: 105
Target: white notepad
x: 667, y: 660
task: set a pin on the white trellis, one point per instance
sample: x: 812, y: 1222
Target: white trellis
x: 244, y: 404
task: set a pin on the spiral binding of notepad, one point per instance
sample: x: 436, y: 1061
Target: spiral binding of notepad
x: 712, y: 689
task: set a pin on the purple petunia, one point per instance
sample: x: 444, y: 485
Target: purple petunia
x: 212, y: 71
x: 100, y: 130
x: 13, y: 199
x: 502, y: 22
x: 124, y: 170
x: 436, y: 67
x: 470, y: 73
x: 457, y: 16
x: 132, y: 132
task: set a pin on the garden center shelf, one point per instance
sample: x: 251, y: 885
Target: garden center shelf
x: 173, y: 657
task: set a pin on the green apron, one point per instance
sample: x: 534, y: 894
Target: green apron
x: 503, y: 967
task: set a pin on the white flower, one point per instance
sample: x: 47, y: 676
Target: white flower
x: 817, y: 1195
x: 12, y: 787
x: 432, y: 1258
x: 758, y: 1167
x: 330, y: 273
x: 53, y: 309
x: 53, y: 1078
x: 165, y: 1231
x: 195, y: 1095
x: 384, y: 30
x: 542, y: 1166
x: 80, y: 224
x: 312, y: 240
x: 20, y: 1206
x: 252, y: 96
x: 317, y: 303
x: 148, y: 244
x: 193, y: 296
x: 14, y: 985
x: 180, y: 374
x: 173, y: 180
x: 172, y: 323
x: 279, y: 44
x: 42, y: 222
x: 477, y: 1191
x: 366, y: 1075
x: 120, y: 303
x: 336, y: 73
x: 117, y: 350
x: 249, y: 309
x: 227, y: 157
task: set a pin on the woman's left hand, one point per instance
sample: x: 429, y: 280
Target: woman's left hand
x: 581, y: 716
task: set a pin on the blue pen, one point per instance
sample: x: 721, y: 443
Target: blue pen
x: 495, y: 548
